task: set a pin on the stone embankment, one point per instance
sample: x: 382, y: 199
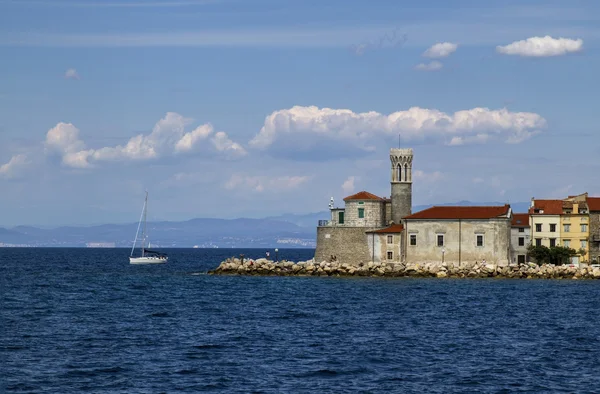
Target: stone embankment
x: 234, y: 266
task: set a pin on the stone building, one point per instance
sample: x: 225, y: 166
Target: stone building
x: 346, y: 234
x: 594, y: 239
x: 520, y: 238
x: 372, y: 228
x: 459, y: 235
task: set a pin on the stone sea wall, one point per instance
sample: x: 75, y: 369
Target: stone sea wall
x: 234, y: 266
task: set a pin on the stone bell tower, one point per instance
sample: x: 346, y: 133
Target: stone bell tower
x: 401, y: 183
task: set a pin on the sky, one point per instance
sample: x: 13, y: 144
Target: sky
x: 254, y: 108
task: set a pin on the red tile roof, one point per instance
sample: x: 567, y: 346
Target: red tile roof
x: 550, y: 207
x: 393, y: 229
x: 460, y: 212
x: 520, y: 220
x: 363, y: 196
x: 593, y: 203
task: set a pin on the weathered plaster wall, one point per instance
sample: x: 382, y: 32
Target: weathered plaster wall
x: 545, y: 235
x: 517, y: 250
x: 459, y: 241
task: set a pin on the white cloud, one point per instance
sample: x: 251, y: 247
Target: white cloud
x: 542, y: 47
x: 432, y: 66
x: 293, y: 127
x: 348, y: 185
x: 441, y: 49
x: 15, y: 164
x: 423, y: 176
x: 168, y: 137
x: 473, y: 139
x: 222, y: 143
x: 71, y: 74
x: 265, y: 184
x: 187, y: 142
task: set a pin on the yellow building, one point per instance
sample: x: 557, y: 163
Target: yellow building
x: 575, y: 227
x: 562, y: 223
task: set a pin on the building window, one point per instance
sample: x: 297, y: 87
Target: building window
x: 552, y: 228
x: 390, y: 239
x: 341, y: 217
x: 583, y: 244
x: 538, y: 242
x: 567, y: 228
x: 584, y: 228
x: 413, y: 240
x: 361, y: 203
x: 521, y: 241
x: 361, y: 213
x: 390, y: 255
x: 440, y: 240
x: 567, y: 243
x: 521, y: 229
x: 538, y: 227
x: 521, y: 259
x: 552, y: 242
x: 479, y: 239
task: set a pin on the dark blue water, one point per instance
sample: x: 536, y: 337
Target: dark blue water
x: 85, y: 320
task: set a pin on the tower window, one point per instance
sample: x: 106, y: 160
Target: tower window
x: 361, y: 213
x: 406, y: 173
x: 399, y: 173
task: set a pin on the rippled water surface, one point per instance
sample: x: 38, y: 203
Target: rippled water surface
x: 85, y: 320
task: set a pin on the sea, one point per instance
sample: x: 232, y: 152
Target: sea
x: 86, y: 321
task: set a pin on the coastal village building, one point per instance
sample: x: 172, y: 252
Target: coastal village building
x: 520, y: 238
x: 575, y: 227
x: 573, y: 222
x: 372, y: 228
x: 459, y: 234
x: 545, y: 222
x: 594, y: 241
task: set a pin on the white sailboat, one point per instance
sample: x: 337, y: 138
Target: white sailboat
x: 147, y: 256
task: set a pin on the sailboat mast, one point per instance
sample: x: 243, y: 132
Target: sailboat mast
x: 144, y: 229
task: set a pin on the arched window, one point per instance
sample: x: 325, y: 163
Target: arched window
x: 406, y: 173
x: 399, y: 173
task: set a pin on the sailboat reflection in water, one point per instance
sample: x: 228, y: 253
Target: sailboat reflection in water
x: 148, y: 256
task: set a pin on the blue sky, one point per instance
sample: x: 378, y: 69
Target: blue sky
x: 231, y: 108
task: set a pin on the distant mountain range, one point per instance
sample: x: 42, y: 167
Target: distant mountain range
x: 284, y: 231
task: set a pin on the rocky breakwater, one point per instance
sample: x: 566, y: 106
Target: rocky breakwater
x: 234, y: 266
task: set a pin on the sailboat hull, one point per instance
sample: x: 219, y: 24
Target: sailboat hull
x: 148, y: 260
